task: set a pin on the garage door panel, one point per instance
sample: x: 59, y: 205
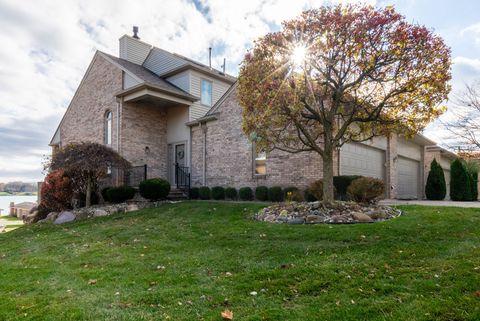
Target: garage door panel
x: 408, y: 173
x: 359, y: 159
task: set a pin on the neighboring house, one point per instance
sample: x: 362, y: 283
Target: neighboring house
x: 161, y: 109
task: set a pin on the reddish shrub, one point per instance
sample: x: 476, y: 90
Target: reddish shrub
x: 56, y: 191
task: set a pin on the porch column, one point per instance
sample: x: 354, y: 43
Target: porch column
x: 391, y: 181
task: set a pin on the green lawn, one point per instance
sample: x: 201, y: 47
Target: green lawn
x: 171, y: 263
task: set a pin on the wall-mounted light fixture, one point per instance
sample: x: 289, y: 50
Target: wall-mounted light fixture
x: 147, y: 150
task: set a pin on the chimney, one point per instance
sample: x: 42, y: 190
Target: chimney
x: 135, y: 32
x: 210, y: 57
x: 224, y: 64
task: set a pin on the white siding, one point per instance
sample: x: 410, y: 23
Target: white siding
x: 409, y: 149
x: 129, y: 81
x: 219, y: 88
x: 181, y: 80
x: 134, y: 50
x: 161, y: 62
x: 408, y: 173
x: 359, y: 159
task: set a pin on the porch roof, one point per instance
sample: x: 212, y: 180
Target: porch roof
x: 147, y: 91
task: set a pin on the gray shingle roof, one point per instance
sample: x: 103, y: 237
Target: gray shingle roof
x: 146, y: 75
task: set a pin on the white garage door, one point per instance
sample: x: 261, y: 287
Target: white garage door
x: 447, y: 181
x: 408, y: 178
x: 359, y: 159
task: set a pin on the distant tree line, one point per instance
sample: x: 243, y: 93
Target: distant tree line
x: 18, y: 187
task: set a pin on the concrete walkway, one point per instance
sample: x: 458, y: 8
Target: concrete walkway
x: 430, y: 203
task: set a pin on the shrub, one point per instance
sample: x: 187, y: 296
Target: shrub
x: 295, y: 196
x: 119, y: 194
x: 472, y: 168
x: 231, y: 193
x: 289, y: 189
x: 342, y: 183
x: 436, y: 188
x: 309, y: 197
x: 194, y: 193
x: 204, y: 193
x: 275, y: 194
x: 365, y: 189
x: 56, y: 192
x: 154, y: 189
x: 218, y: 193
x: 246, y: 194
x: 103, y: 192
x: 460, y: 182
x: 261, y: 193
x: 314, y: 191
x: 79, y: 198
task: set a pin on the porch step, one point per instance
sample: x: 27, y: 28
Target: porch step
x: 176, y: 195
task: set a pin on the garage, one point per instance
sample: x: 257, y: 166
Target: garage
x: 360, y: 159
x: 408, y: 177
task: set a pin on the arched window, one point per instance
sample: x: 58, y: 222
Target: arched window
x: 108, y: 128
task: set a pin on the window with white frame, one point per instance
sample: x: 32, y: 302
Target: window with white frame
x: 206, y: 92
x: 108, y: 128
x: 260, y: 162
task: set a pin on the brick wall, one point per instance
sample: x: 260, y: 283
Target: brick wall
x: 145, y: 125
x: 229, y: 157
x: 84, y: 119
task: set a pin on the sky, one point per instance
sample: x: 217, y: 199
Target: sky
x: 46, y: 48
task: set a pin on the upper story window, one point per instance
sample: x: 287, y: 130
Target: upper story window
x: 206, y: 92
x: 259, y: 161
x: 108, y: 128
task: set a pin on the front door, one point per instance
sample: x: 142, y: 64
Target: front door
x: 179, y: 158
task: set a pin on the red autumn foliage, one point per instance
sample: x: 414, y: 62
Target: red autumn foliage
x: 56, y: 191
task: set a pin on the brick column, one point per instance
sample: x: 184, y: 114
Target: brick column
x: 391, y: 167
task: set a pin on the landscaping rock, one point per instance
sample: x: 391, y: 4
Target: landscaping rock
x: 65, y: 217
x: 361, y: 217
x: 131, y: 208
x: 318, y: 213
x: 52, y: 216
x: 99, y: 212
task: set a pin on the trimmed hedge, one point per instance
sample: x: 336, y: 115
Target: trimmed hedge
x: 460, y: 182
x: 154, y: 189
x: 261, y: 193
x: 218, y: 193
x: 436, y: 188
x: 120, y: 194
x: 231, y: 193
x: 309, y: 197
x: 342, y: 183
x: 194, y: 193
x: 246, y: 194
x: 314, y: 191
x: 204, y: 193
x: 275, y: 194
x: 103, y: 192
x: 365, y: 189
x: 289, y: 189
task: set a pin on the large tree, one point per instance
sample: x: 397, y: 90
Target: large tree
x: 465, y: 123
x: 342, y: 74
x: 85, y: 164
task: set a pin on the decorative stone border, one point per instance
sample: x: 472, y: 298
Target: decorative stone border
x: 320, y: 213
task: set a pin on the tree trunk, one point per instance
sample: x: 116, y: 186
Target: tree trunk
x: 88, y: 196
x: 328, y: 176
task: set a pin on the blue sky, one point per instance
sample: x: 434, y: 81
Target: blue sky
x: 46, y: 50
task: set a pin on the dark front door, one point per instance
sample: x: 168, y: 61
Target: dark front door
x: 179, y: 158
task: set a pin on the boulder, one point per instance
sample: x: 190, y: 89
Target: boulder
x: 99, y: 212
x: 284, y: 213
x: 65, y: 217
x: 313, y: 219
x: 296, y: 220
x: 30, y: 218
x: 361, y: 217
x: 131, y: 208
x: 52, y: 216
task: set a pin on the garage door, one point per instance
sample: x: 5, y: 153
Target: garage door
x: 408, y: 178
x: 447, y: 181
x: 359, y: 159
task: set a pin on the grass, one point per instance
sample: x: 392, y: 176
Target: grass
x: 171, y: 263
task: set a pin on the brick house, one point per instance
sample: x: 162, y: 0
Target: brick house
x: 178, y: 116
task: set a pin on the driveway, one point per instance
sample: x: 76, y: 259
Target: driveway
x: 430, y: 203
